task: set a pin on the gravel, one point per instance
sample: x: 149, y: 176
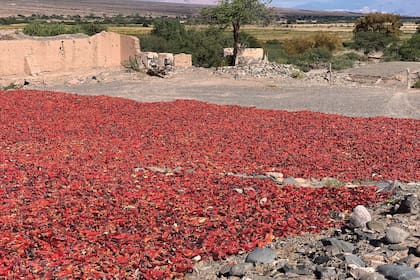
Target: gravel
x: 285, y: 93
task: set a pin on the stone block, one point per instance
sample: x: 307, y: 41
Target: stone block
x: 165, y: 59
x: 182, y: 60
x: 149, y: 59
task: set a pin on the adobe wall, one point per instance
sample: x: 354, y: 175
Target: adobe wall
x: 246, y: 55
x: 64, y: 53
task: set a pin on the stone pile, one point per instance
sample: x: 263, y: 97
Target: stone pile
x: 259, y: 70
x: 382, y: 242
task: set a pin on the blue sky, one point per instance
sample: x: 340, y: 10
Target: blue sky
x: 403, y: 7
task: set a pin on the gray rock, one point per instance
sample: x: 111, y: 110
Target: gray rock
x: 373, y: 276
x: 417, y: 251
x: 395, y: 235
x: 354, y: 260
x: 321, y: 259
x: 376, y: 226
x: 362, y: 272
x: 397, y: 247
x: 384, y: 185
x: 341, y: 245
x: 398, y: 272
x: 275, y: 176
x: 360, y: 216
x: 326, y: 272
x: 225, y: 270
x: 240, y: 269
x: 289, y: 181
x: 261, y: 255
x: 410, y: 204
x: 331, y: 182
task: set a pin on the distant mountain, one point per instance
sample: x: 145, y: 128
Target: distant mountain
x: 404, y: 8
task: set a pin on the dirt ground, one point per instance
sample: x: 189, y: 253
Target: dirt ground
x: 284, y: 93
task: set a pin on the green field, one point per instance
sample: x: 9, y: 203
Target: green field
x: 273, y: 32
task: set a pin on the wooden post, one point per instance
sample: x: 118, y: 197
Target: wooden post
x: 408, y: 79
x: 330, y: 70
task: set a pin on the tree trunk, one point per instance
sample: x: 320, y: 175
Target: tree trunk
x: 236, y: 41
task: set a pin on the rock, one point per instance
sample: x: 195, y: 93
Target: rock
x: 395, y: 235
x: 275, y: 176
x: 240, y: 269
x: 360, y: 216
x: 384, y: 185
x: 376, y: 226
x: 73, y: 82
x: 241, y: 191
x: 417, y: 251
x: 353, y: 260
x: 224, y: 270
x: 373, y: 276
x: 326, y: 272
x: 343, y: 246
x: 331, y: 182
x: 359, y: 272
x: 411, y: 261
x: 321, y: 259
x: 261, y: 255
x: 300, y: 182
x: 397, y: 247
x: 374, y: 258
x: 398, y: 272
x: 196, y: 258
x: 289, y: 181
x: 410, y: 204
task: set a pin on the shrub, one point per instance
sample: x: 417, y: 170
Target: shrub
x: 297, y: 74
x: 154, y: 43
x: 92, y: 28
x: 410, y: 49
x: 376, y: 32
x: 320, y: 40
x: 205, y: 46
x: 45, y: 29
x: 416, y: 84
x: 345, y: 61
x: 276, y: 52
x: 53, y: 29
x: 328, y: 41
x: 169, y: 29
x: 387, y: 24
x: 311, y: 59
x: 247, y: 40
x: 372, y: 41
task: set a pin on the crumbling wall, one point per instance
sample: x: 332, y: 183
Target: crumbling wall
x: 153, y: 60
x: 65, y: 53
x: 246, y: 55
x: 182, y: 60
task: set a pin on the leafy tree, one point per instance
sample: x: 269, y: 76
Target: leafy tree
x: 170, y: 36
x: 410, y: 50
x: 372, y: 41
x: 168, y: 29
x: 388, y: 24
x: 236, y: 13
x: 376, y: 31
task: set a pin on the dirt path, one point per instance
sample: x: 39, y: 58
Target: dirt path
x: 285, y: 93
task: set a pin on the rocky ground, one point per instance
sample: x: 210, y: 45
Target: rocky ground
x: 382, y: 242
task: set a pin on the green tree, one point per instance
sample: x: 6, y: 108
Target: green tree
x: 410, y: 50
x: 168, y: 29
x: 237, y: 13
x: 376, y: 31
